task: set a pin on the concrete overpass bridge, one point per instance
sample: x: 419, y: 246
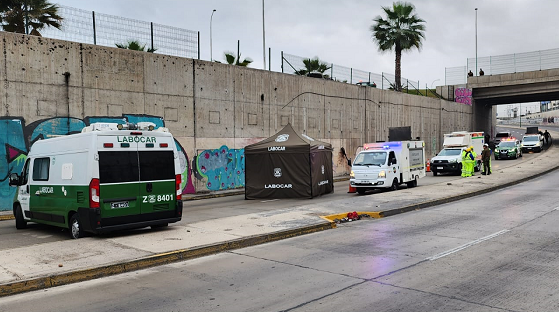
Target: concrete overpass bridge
x: 491, y: 90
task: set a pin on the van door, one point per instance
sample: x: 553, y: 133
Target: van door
x: 23, y: 189
x: 157, y: 181
x: 119, y: 183
x: 393, y: 169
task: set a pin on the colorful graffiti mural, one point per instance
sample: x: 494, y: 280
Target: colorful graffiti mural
x: 463, y: 95
x: 17, y: 139
x: 222, y: 168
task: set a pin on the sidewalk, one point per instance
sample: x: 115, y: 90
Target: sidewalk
x: 58, y: 263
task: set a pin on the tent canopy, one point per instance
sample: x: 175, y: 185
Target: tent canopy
x: 288, y: 165
x: 289, y: 141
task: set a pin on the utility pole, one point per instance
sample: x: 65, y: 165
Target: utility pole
x: 263, y: 37
x: 476, y: 44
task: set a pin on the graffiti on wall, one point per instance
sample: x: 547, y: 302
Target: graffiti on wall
x: 463, y: 95
x: 221, y: 168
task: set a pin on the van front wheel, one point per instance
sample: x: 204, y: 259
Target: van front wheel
x: 20, y: 221
x: 394, y: 186
x: 75, y: 227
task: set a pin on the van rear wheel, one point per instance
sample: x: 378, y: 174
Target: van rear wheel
x: 20, y: 221
x: 76, y: 230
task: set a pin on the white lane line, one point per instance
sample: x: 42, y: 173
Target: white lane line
x: 271, y: 200
x: 556, y: 208
x: 477, y: 241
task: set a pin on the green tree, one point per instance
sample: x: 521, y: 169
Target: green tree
x: 401, y: 30
x: 28, y: 16
x: 312, y: 65
x: 134, y: 45
x: 232, y: 60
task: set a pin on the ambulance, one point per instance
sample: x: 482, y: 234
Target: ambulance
x: 109, y: 177
x: 387, y: 165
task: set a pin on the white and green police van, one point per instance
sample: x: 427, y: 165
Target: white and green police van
x: 109, y: 177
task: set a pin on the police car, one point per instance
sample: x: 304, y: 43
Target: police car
x: 508, y: 148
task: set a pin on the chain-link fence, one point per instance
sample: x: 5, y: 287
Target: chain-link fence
x: 290, y: 64
x: 108, y: 30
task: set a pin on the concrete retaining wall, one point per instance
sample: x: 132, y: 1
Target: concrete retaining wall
x: 213, y: 110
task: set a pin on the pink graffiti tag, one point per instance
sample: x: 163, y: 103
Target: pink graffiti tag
x: 463, y: 95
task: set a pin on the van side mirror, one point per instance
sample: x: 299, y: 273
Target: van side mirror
x: 349, y: 162
x: 14, y: 179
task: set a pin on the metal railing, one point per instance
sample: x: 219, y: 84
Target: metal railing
x: 108, y: 30
x: 504, y: 64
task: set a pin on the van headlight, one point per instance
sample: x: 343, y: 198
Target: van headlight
x: 452, y: 161
x: 382, y: 174
x: 352, y: 175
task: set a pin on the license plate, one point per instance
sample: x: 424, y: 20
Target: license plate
x: 439, y: 168
x: 365, y: 181
x: 117, y: 205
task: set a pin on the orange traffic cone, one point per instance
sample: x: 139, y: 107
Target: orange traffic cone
x: 352, y: 189
x: 428, y: 167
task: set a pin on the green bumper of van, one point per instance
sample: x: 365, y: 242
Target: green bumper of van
x: 92, y: 221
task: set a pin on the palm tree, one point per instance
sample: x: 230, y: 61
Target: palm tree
x: 312, y: 65
x: 232, y: 60
x: 134, y: 45
x: 402, y: 30
x: 20, y: 15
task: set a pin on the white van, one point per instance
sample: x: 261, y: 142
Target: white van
x: 111, y: 176
x: 386, y: 165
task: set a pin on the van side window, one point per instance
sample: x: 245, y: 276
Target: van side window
x: 41, y: 169
x: 392, y: 158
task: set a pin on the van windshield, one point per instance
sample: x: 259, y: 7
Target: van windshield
x: 370, y: 159
x: 132, y: 166
x: 450, y: 152
x: 502, y: 135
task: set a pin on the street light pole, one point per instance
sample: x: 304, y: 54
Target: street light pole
x: 476, y: 44
x: 434, y: 82
x: 263, y: 37
x: 211, y: 50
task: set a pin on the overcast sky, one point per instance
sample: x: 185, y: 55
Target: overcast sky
x: 337, y: 31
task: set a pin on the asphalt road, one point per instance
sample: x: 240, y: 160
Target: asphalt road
x: 493, y: 252
x: 207, y: 209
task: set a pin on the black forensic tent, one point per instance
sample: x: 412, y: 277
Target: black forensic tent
x: 288, y: 165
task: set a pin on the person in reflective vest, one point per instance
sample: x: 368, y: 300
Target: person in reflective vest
x: 468, y: 161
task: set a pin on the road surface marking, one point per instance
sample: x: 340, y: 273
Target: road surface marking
x: 457, y: 249
x: 271, y: 200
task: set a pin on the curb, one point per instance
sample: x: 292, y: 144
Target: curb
x: 372, y: 214
x: 155, y: 260
x: 6, y: 217
x: 233, y: 193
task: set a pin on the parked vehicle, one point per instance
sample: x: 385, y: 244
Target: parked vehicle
x: 106, y: 178
x: 508, y: 148
x: 501, y: 135
x: 386, y: 165
x: 532, y: 143
x: 449, y: 159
